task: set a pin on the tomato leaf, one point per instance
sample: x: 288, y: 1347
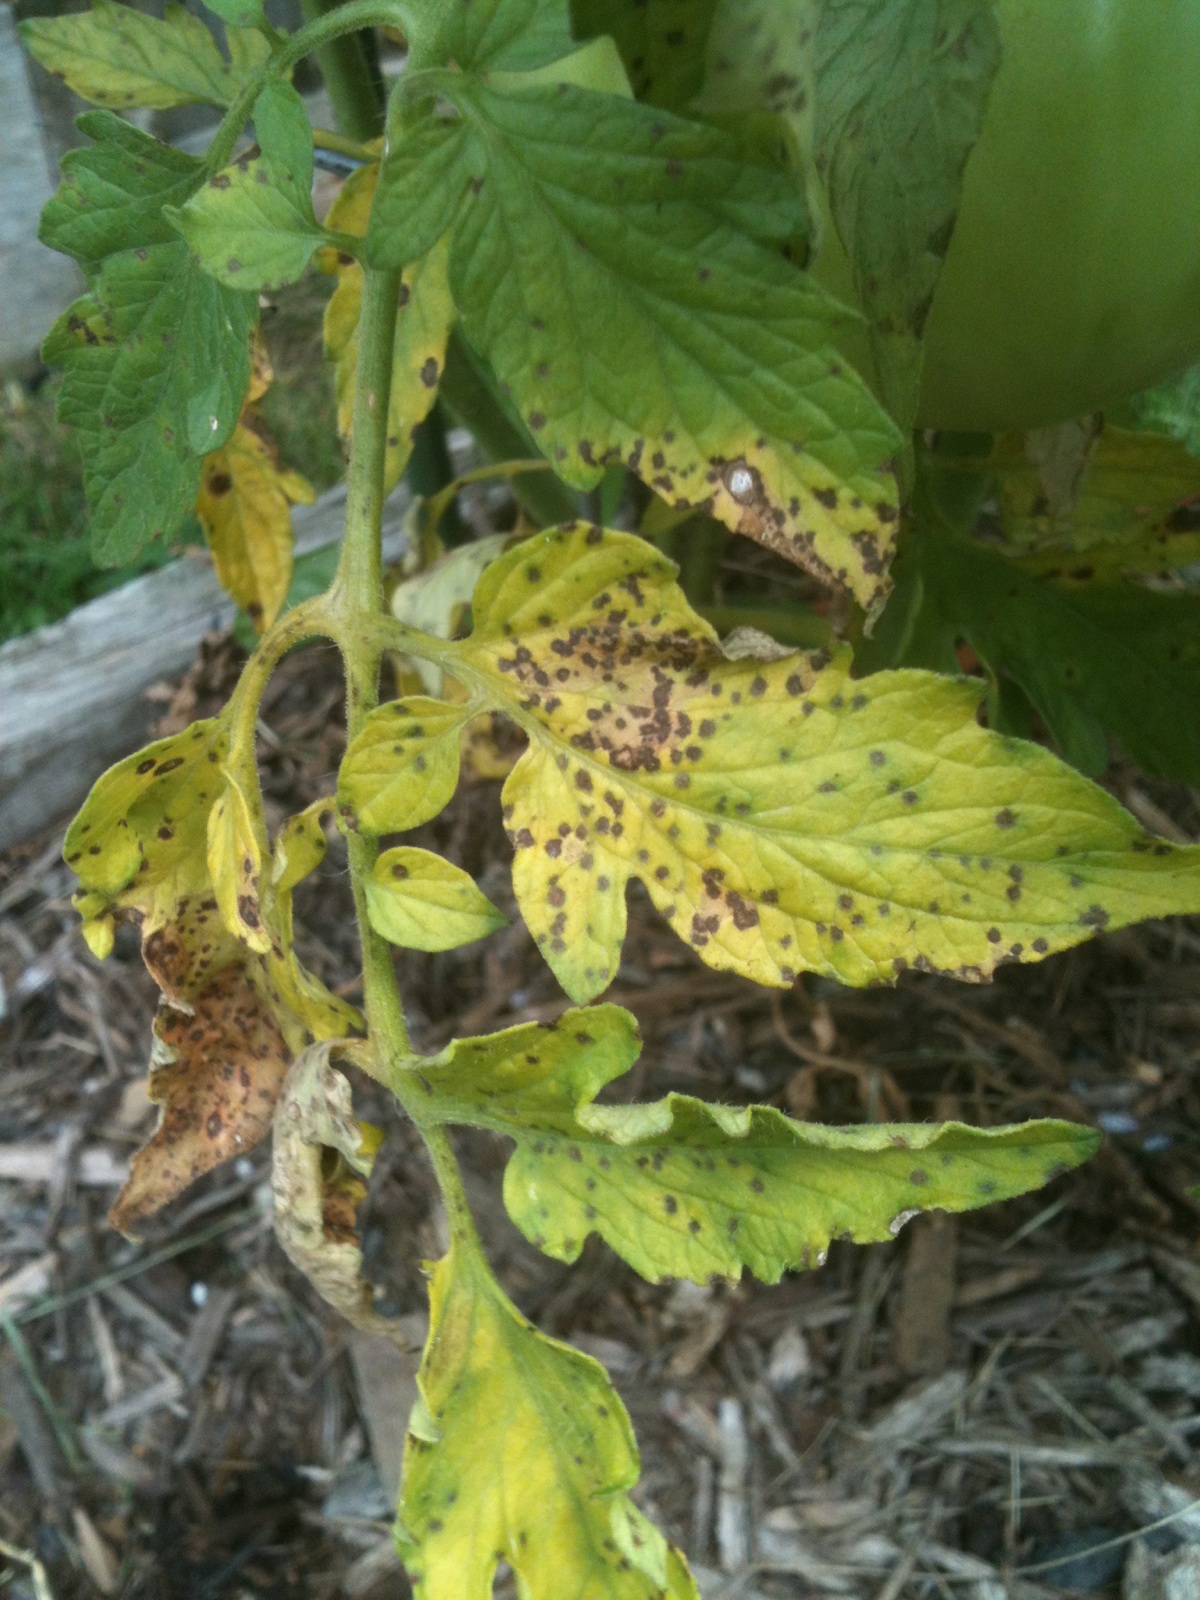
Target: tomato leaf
x: 239, y: 13
x: 216, y: 1069
x: 436, y: 600
x: 117, y: 56
x: 1124, y: 513
x: 113, y: 191
x: 901, y: 93
x: 663, y: 43
x: 1173, y: 408
x: 403, y: 767
x: 154, y: 330
x: 683, y: 1189
x: 229, y: 1018
x: 244, y: 507
x: 521, y: 1452
x: 322, y: 1155
x: 783, y: 817
x: 156, y: 355
x: 418, y: 900
x: 252, y: 225
x: 759, y: 57
x: 423, y: 326
x: 621, y: 322
x: 236, y: 846
x: 511, y: 35
x: 1091, y: 656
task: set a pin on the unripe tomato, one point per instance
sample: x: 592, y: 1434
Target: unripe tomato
x: 1073, y: 277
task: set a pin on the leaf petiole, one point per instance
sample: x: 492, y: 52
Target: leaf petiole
x: 346, y: 19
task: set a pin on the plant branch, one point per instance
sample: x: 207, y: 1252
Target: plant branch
x: 314, y: 36
x: 463, y: 1232
x: 350, y: 67
x: 356, y: 601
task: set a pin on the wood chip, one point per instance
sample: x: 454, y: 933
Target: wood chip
x: 386, y: 1380
x: 921, y: 1336
x: 733, y: 1511
x: 99, y: 1562
x: 27, y: 1284
x: 96, y: 1166
x: 163, y: 1393
x: 204, y: 1335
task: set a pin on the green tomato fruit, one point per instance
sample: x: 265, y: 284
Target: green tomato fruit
x: 1073, y: 277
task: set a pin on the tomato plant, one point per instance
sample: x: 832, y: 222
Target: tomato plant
x: 611, y: 280
x: 1073, y: 278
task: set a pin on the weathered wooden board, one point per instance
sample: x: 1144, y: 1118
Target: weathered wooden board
x: 38, y: 283
x: 72, y: 694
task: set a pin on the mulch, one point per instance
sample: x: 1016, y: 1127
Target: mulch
x: 996, y: 1404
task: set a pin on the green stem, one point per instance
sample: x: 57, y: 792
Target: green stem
x: 430, y: 469
x: 310, y: 619
x: 356, y: 600
x: 458, y: 1211
x: 350, y: 66
x: 349, y: 18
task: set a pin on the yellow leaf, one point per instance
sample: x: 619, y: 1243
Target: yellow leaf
x: 403, y: 767
x: 418, y: 900
x: 262, y: 373
x: 423, y: 326
x: 244, y: 507
x: 522, y: 1452
x: 235, y: 853
x: 783, y: 817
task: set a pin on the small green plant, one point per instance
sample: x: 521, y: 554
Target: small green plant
x: 624, y: 286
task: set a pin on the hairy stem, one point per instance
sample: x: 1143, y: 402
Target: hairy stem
x: 454, y: 1197
x: 356, y: 601
x: 350, y: 66
x: 344, y: 19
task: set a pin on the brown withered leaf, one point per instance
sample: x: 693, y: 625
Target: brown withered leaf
x: 322, y: 1157
x: 216, y: 1067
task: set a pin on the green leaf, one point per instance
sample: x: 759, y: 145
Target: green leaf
x: 418, y: 900
x: 116, y: 56
x: 683, y: 1189
x: 605, y: 264
x: 239, y: 13
x: 428, y: 165
x: 154, y: 329
x: 1120, y: 509
x: 252, y: 225
x: 759, y: 57
x: 902, y: 89
x: 403, y: 766
x: 596, y: 65
x: 521, y: 1452
x: 113, y: 191
x: 783, y: 817
x: 1173, y: 408
x: 663, y: 43
x: 512, y: 35
x: 1091, y: 656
